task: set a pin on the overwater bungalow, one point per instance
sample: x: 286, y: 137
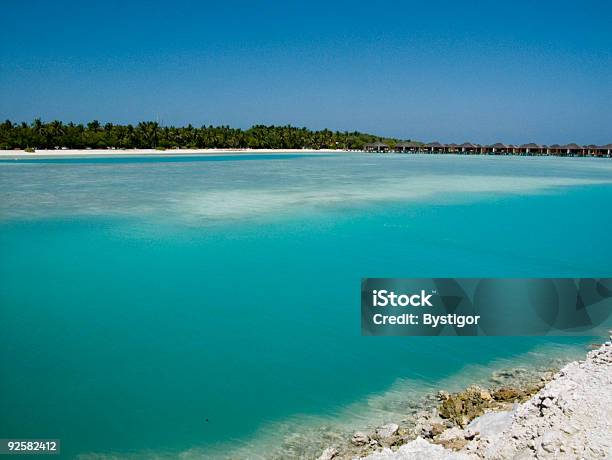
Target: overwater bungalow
x: 376, y: 147
x: 403, y: 147
x: 434, y: 147
x: 531, y: 149
x: 591, y: 150
x: 512, y: 149
x: 452, y: 148
x: 495, y: 149
x: 604, y: 151
x: 498, y: 148
x: 468, y: 147
x: 573, y: 150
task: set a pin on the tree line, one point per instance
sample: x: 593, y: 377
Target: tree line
x: 151, y: 135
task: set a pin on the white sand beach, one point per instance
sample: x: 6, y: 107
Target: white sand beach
x: 109, y: 153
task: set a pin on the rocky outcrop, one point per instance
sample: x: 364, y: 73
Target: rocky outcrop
x: 419, y: 449
x: 462, y: 407
x: 360, y: 439
x: 328, y: 454
x: 570, y: 417
x: 387, y: 431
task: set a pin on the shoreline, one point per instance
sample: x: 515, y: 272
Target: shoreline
x: 562, y: 414
x: 404, y: 403
x: 132, y: 153
x: 43, y: 154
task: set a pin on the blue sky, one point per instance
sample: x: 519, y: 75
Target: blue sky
x: 483, y: 71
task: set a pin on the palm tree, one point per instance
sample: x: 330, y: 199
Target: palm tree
x: 148, y: 131
x: 54, y: 134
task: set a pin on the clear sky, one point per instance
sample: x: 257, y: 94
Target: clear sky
x: 483, y: 71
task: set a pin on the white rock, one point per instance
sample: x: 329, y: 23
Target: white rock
x: 388, y: 430
x: 419, y: 449
x: 328, y: 453
x: 573, y: 410
x: 576, y: 417
x: 547, y: 402
x: 549, y: 441
x: 452, y: 433
x: 359, y: 439
x: 491, y: 423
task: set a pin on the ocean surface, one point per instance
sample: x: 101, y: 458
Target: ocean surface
x: 209, y: 307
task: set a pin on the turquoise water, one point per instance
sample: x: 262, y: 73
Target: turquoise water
x: 157, y: 308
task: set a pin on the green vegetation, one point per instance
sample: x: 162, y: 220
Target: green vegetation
x: 150, y: 135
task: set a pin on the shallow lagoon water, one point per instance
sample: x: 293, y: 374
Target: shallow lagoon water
x: 139, y: 299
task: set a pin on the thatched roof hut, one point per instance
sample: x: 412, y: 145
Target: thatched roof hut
x: 409, y: 146
x: 498, y: 147
x: 435, y: 147
x: 376, y: 147
x: 452, y: 147
x: 531, y: 148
